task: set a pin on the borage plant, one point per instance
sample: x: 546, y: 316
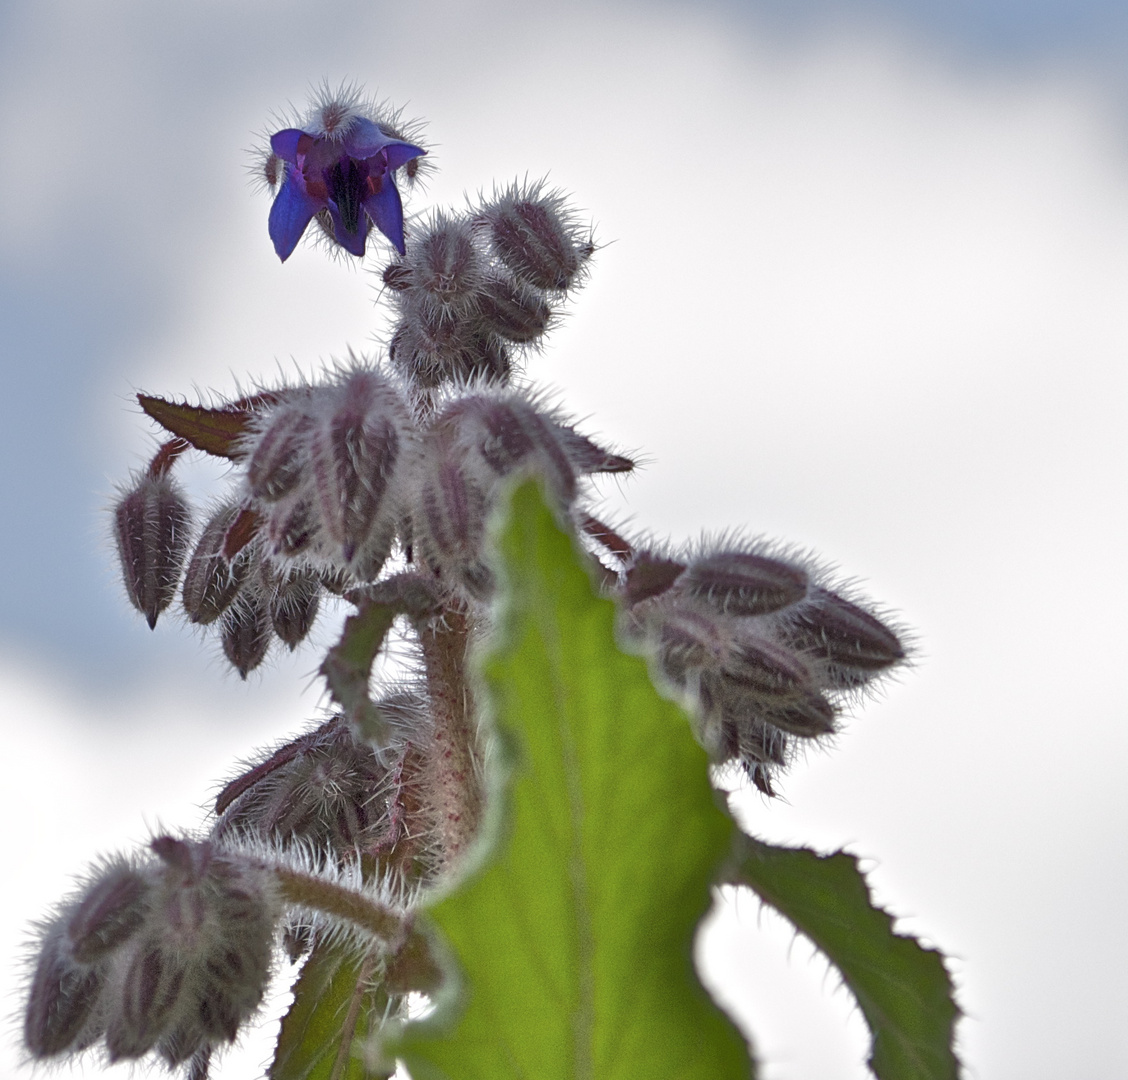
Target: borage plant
x: 492, y: 865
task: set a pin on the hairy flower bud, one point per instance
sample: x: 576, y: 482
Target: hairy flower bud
x: 62, y: 999
x: 326, y: 788
x: 431, y: 349
x: 535, y: 235
x: 357, y: 443
x: 109, y: 914
x: 294, y: 600
x: 853, y: 645
x: 211, y: 582
x: 279, y: 453
x: 198, y: 966
x: 151, y: 527
x: 246, y: 632
x: 514, y: 310
x: 744, y: 583
x: 446, y: 265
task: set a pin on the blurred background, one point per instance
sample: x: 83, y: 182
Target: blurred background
x: 863, y: 289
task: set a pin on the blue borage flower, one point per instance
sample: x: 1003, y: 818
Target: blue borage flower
x: 345, y: 167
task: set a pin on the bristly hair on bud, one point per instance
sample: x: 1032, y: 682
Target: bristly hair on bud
x: 534, y: 232
x: 152, y: 524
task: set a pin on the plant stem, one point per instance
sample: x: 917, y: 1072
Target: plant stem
x: 450, y: 773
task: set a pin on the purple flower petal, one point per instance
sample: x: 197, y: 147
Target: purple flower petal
x: 352, y: 242
x: 400, y: 153
x: 285, y: 144
x: 292, y: 211
x: 364, y: 139
x: 386, y: 211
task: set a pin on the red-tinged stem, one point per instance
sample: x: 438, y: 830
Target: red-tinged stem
x: 450, y: 774
x: 169, y: 451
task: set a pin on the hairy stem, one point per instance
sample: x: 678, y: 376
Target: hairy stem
x: 310, y: 891
x: 450, y: 773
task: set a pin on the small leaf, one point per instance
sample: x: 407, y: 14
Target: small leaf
x: 575, y: 935
x: 331, y: 1009
x: 348, y: 666
x: 215, y: 431
x: 903, y: 989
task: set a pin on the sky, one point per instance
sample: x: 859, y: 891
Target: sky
x: 862, y: 289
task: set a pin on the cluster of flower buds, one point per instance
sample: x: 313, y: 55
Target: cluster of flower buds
x: 330, y: 479
x: 336, y: 796
x: 472, y: 287
x: 338, y: 166
x: 765, y: 653
x: 169, y: 953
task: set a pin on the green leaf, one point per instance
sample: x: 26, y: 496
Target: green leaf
x: 348, y: 666
x: 575, y: 935
x: 904, y: 989
x: 331, y: 1010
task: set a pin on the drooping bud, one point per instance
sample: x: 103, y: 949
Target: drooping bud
x: 326, y: 788
x: 151, y: 527
x: 294, y: 601
x: 109, y: 914
x: 279, y: 453
x: 446, y: 265
x: 536, y: 237
x: 514, y: 310
x: 357, y: 442
x: 855, y: 645
x: 432, y: 349
x: 198, y: 967
x: 63, y: 996
x: 211, y: 582
x: 246, y: 632
x: 291, y: 527
x: 744, y: 583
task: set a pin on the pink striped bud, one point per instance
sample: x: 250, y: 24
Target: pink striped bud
x: 279, y: 453
x: 433, y: 349
x: 446, y: 265
x: 744, y: 583
x: 855, y: 645
x: 211, y: 582
x: 62, y: 1002
x: 151, y: 526
x: 358, y: 440
x: 245, y: 633
x: 535, y: 235
x: 109, y: 914
x: 291, y: 527
x: 514, y: 310
x: 294, y: 599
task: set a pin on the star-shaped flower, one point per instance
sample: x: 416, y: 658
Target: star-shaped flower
x: 348, y: 172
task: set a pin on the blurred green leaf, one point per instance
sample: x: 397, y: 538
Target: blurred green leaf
x: 575, y: 935
x: 331, y: 1009
x: 903, y: 989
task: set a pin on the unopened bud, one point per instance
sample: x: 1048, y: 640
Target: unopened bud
x: 764, y: 667
x: 856, y: 644
x: 744, y: 583
x: 291, y: 527
x: 280, y: 453
x: 211, y: 583
x: 151, y: 527
x: 62, y: 1000
x: 514, y: 310
x: 433, y: 349
x: 534, y: 235
x: 109, y: 914
x: 355, y: 448
x: 294, y: 601
x: 245, y: 633
x: 446, y: 264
